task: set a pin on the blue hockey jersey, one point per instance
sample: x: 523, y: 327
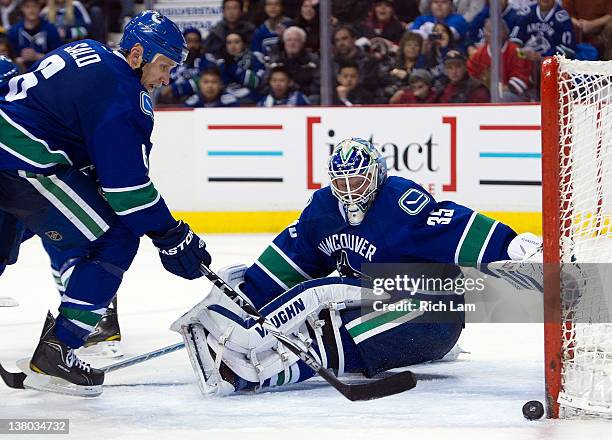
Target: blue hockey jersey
x: 44, y: 38
x: 76, y: 30
x: 82, y: 106
x: 183, y: 79
x: 548, y: 35
x: 512, y: 16
x: 265, y: 39
x: 404, y: 224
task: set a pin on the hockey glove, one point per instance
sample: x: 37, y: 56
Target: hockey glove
x: 181, y: 251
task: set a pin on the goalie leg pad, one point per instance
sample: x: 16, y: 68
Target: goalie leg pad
x: 248, y: 351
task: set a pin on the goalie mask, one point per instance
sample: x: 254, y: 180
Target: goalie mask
x: 356, y: 171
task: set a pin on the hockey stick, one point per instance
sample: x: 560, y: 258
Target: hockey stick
x: 15, y: 380
x: 12, y: 380
x: 143, y: 357
x: 386, y: 386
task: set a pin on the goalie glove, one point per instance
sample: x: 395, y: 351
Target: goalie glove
x: 181, y: 251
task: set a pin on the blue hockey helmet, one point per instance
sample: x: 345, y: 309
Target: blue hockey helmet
x: 8, y: 69
x: 356, y: 171
x: 157, y: 35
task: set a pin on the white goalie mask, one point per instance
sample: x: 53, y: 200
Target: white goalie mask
x: 356, y: 171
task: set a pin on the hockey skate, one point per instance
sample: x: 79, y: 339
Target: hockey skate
x: 105, y: 340
x: 54, y: 367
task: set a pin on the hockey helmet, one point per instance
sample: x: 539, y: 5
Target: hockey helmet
x: 8, y: 69
x: 157, y: 34
x: 356, y: 171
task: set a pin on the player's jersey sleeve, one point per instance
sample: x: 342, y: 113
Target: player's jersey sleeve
x: 446, y: 232
x: 118, y: 144
x: 289, y: 260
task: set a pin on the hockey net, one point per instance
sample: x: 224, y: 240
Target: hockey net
x: 577, y: 221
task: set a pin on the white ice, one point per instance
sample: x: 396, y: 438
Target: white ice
x: 477, y: 397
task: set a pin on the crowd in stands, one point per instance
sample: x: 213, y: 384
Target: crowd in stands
x: 267, y: 52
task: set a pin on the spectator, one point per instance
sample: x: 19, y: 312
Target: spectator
x: 517, y: 70
x: 468, y: 9
x: 209, y: 92
x: 302, y: 66
x: 419, y: 91
x: 441, y: 12
x: 5, y: 49
x: 233, y: 22
x: 439, y: 43
x: 348, y: 92
x: 383, y: 23
x: 9, y: 13
x: 546, y: 30
x: 105, y: 16
x: 346, y: 51
x: 241, y: 70
x: 592, y: 20
x: 265, y: 38
x: 382, y: 61
x: 308, y: 19
x: 32, y: 37
x: 350, y: 11
x: 409, y: 56
x: 70, y: 17
x: 511, y: 15
x: 281, y: 91
x: 184, y: 78
x: 407, y: 10
x: 461, y: 88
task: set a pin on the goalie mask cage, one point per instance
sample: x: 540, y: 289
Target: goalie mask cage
x: 577, y: 229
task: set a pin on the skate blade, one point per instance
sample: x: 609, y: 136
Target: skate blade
x: 102, y: 350
x: 5, y: 301
x: 52, y: 384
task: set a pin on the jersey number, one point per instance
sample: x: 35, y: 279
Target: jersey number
x: 20, y: 84
x: 440, y: 217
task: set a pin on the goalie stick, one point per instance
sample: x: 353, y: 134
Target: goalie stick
x: 386, y: 386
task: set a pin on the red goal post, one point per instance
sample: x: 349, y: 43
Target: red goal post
x: 577, y: 230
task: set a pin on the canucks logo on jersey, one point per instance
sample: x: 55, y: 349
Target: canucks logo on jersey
x: 146, y: 104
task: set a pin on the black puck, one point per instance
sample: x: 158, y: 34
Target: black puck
x: 533, y: 410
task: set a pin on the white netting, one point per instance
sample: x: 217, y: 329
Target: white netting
x: 586, y: 235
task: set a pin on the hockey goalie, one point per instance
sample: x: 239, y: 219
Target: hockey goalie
x: 364, y: 216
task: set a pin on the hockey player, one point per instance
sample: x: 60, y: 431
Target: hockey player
x: 75, y: 142
x: 362, y: 217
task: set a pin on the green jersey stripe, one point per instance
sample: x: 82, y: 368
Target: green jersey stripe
x: 475, y: 239
x: 84, y: 316
x: 271, y: 275
x: 388, y: 326
x: 59, y: 204
x: 19, y: 142
x: 132, y: 199
x: 281, y: 267
x: 82, y: 203
x: 73, y: 206
x: 376, y: 322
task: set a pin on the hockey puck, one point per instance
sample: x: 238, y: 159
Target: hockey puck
x: 533, y: 410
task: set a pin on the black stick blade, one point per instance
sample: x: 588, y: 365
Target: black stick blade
x: 12, y: 380
x: 387, y: 386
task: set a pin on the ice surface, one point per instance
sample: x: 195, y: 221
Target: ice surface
x: 477, y: 397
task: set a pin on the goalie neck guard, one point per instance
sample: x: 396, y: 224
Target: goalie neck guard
x: 356, y: 171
